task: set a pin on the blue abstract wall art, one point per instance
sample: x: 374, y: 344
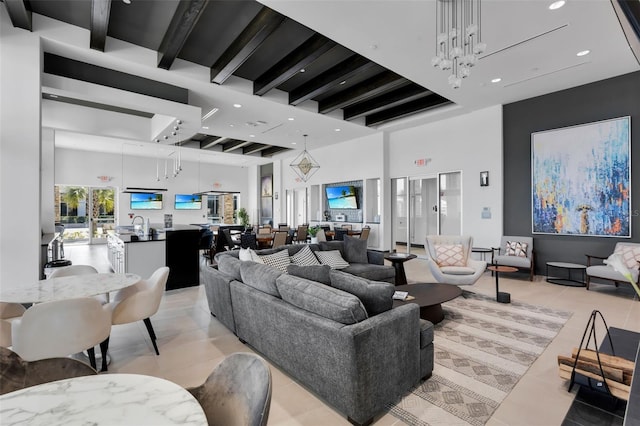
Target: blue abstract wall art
x: 581, y: 179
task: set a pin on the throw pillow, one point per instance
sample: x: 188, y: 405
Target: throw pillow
x: 279, y: 260
x: 249, y: 255
x: 377, y: 297
x: 319, y: 273
x: 630, y: 255
x: 261, y: 277
x: 321, y: 299
x: 450, y: 255
x: 516, y: 248
x: 333, y: 258
x: 305, y: 257
x: 355, y: 250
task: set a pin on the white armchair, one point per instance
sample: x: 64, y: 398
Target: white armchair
x: 630, y: 252
x: 449, y: 259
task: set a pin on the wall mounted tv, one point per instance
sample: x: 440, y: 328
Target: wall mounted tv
x: 188, y: 202
x: 342, y: 197
x: 146, y: 201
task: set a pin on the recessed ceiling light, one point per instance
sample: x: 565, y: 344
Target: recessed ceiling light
x: 496, y: 80
x: 337, y: 130
x: 53, y: 96
x: 302, y: 70
x: 230, y: 125
x: 252, y: 136
x: 291, y: 119
x: 293, y: 143
x: 126, y: 1
x: 237, y: 106
x: 583, y: 53
x: 205, y: 127
x: 343, y: 82
x: 556, y: 5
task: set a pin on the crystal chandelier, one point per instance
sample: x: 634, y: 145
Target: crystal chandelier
x: 304, y: 165
x: 458, y: 38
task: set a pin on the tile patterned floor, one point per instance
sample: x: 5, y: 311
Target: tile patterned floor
x: 192, y: 342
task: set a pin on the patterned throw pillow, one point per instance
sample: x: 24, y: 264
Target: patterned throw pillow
x: 305, y: 257
x: 630, y: 255
x: 249, y: 255
x: 279, y: 260
x: 516, y: 248
x: 333, y: 258
x: 450, y: 255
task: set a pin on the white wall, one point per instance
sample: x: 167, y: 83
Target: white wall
x: 75, y: 167
x: 470, y: 143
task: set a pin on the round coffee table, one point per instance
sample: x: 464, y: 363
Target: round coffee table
x: 429, y: 297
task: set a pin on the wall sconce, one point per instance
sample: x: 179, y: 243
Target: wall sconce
x: 484, y: 178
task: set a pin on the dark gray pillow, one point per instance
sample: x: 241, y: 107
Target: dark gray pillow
x: 319, y: 273
x: 377, y: 297
x: 355, y: 250
x: 230, y: 265
x: 332, y: 245
x: 261, y: 277
x: 321, y: 299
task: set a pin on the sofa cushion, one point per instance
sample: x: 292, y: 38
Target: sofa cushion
x: 279, y: 260
x: 249, y: 255
x: 355, y: 250
x: 372, y: 272
x: 319, y: 273
x: 305, y: 257
x: 333, y: 258
x: 377, y: 297
x: 516, y: 248
x: 321, y: 299
x: 332, y: 245
x: 450, y: 255
x: 261, y: 277
x: 457, y: 270
x: 230, y: 265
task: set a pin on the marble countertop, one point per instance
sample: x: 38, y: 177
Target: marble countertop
x: 105, y: 399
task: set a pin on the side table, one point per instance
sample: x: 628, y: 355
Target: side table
x: 483, y: 251
x: 568, y: 280
x: 397, y: 260
x: 501, y: 296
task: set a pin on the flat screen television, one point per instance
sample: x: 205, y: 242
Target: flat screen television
x: 188, y: 202
x: 342, y: 197
x: 146, y: 201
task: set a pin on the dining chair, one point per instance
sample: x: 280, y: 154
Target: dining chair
x: 206, y: 243
x: 248, y: 241
x: 62, y: 328
x: 279, y: 238
x: 71, y: 270
x: 320, y: 235
x: 16, y: 373
x: 283, y: 227
x: 340, y: 233
x: 237, y: 392
x: 301, y: 234
x: 364, y: 233
x: 347, y: 226
x: 8, y: 313
x: 265, y: 229
x: 140, y: 301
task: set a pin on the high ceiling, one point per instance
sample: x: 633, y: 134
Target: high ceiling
x: 335, y: 70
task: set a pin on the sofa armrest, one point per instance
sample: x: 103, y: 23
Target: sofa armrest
x: 375, y: 257
x: 216, y: 285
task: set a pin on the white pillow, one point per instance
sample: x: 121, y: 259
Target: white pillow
x: 279, y: 260
x: 305, y: 257
x: 333, y: 258
x: 249, y: 255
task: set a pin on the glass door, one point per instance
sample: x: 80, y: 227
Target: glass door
x: 450, y: 214
x: 423, y: 212
x: 399, y: 215
x: 102, y: 218
x: 86, y: 213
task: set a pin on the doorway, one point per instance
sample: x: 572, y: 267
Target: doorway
x: 296, y: 207
x: 87, y: 213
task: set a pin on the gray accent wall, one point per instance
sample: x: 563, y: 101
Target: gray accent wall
x: 615, y: 97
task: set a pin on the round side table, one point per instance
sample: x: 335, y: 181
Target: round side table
x: 501, y: 296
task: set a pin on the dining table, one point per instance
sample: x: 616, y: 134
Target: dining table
x: 105, y: 399
x: 350, y: 232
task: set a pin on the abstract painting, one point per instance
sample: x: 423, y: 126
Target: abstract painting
x: 581, y: 179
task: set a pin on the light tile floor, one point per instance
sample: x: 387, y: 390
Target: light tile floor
x: 192, y: 342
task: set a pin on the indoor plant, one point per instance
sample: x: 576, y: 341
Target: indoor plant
x: 313, y: 232
x: 244, y: 217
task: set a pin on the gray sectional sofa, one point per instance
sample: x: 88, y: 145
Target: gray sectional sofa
x: 335, y: 332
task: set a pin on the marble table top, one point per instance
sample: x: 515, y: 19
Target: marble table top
x: 105, y: 399
x: 67, y: 287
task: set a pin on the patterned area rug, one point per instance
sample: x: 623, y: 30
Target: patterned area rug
x: 482, y: 348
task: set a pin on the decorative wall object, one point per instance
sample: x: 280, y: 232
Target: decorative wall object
x: 581, y: 179
x: 267, y: 186
x: 484, y: 178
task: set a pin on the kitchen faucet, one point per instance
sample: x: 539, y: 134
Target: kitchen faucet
x: 133, y: 222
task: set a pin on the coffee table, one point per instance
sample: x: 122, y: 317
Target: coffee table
x: 568, y: 280
x: 429, y: 297
x: 397, y: 260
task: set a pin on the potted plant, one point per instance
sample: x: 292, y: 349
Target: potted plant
x: 244, y: 217
x: 313, y: 232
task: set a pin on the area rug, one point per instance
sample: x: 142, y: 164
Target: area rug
x: 482, y: 348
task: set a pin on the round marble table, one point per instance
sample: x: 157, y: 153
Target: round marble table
x: 67, y: 287
x: 106, y: 399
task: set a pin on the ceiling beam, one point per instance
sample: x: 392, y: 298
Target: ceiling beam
x: 261, y: 27
x: 353, y: 65
x: 99, y: 25
x: 255, y: 147
x: 182, y: 23
x: 19, y: 14
x: 211, y: 141
x: 234, y: 144
x: 314, y: 47
x: 406, y: 109
x: 273, y: 150
x: 399, y: 96
x: 369, y: 88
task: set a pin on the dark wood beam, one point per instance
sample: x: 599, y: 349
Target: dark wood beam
x: 254, y: 147
x: 369, y: 88
x: 19, y: 14
x: 314, y: 47
x: 349, y: 67
x: 184, y: 20
x: 100, y: 11
x: 273, y: 150
x: 261, y: 27
x: 399, y: 96
x: 211, y: 141
x: 234, y: 144
x: 406, y: 109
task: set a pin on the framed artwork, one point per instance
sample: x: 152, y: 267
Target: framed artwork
x: 266, y: 189
x: 581, y: 180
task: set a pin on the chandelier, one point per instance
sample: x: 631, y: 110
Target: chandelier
x: 458, y: 38
x: 304, y: 165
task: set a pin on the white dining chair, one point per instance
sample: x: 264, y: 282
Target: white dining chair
x: 9, y: 312
x: 140, y: 301
x: 71, y: 270
x: 62, y: 328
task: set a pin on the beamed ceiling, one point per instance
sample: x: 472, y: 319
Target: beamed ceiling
x: 234, y: 38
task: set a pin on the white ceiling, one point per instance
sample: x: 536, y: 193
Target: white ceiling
x: 531, y: 48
